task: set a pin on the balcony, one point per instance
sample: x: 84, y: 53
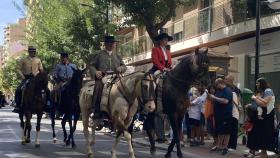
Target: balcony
x: 231, y: 17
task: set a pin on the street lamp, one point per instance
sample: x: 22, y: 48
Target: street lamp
x: 105, y: 14
x: 273, y: 4
x: 257, y: 53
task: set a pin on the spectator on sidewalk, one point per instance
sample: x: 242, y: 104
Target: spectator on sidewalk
x: 236, y: 93
x: 261, y: 137
x: 209, y: 116
x: 197, y: 100
x: 223, y: 114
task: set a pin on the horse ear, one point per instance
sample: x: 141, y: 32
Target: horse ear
x: 205, y: 51
x: 84, y: 70
x: 196, y: 51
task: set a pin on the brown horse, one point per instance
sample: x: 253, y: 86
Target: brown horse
x: 192, y: 69
x: 34, y: 100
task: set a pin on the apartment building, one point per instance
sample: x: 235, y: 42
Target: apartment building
x: 14, y: 39
x: 227, y: 27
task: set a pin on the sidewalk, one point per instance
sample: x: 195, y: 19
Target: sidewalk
x: 198, y: 151
x: 193, y: 152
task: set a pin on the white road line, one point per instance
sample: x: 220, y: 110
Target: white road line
x: 69, y: 153
x: 21, y: 155
x: 148, y: 152
x: 109, y: 153
x: 13, y: 132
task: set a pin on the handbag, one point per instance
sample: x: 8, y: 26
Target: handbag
x: 209, y: 109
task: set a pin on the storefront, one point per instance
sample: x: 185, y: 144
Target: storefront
x: 269, y: 61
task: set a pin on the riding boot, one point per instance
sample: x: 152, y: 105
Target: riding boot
x: 18, y: 96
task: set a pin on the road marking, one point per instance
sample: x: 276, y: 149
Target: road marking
x: 118, y: 153
x: 21, y: 155
x: 148, y: 152
x: 69, y: 153
x: 13, y: 132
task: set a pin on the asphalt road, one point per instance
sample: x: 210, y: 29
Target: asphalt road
x: 10, y: 141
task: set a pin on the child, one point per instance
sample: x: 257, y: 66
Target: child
x: 197, y: 100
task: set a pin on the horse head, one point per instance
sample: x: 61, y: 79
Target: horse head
x: 41, y: 81
x: 77, y: 80
x: 193, y: 69
x: 201, y: 66
x: 147, y: 91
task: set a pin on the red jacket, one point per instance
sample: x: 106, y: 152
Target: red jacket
x: 158, y: 58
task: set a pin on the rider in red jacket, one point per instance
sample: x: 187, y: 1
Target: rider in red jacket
x: 161, y: 56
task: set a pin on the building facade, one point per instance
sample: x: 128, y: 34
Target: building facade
x: 227, y: 27
x: 14, y: 40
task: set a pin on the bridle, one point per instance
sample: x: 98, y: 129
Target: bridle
x: 145, y: 97
x: 150, y: 95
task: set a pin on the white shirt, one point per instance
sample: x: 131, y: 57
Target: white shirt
x: 197, y: 107
x: 164, y: 53
x: 235, y: 112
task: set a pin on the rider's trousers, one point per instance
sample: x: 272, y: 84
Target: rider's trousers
x: 97, y: 93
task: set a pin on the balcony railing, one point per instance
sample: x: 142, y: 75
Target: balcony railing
x: 209, y: 19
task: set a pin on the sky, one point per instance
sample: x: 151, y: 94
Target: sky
x: 8, y: 14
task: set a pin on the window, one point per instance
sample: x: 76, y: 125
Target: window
x: 178, y: 36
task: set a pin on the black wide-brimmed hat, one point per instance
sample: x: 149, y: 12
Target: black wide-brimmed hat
x: 110, y: 39
x: 31, y: 49
x: 64, y: 55
x: 162, y: 36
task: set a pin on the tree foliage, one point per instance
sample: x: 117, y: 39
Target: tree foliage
x: 8, y: 77
x: 58, y: 26
x: 153, y: 14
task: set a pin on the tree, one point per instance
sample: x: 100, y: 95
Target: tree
x: 58, y: 26
x: 8, y: 77
x: 153, y: 14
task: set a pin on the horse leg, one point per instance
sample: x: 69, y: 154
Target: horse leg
x: 76, y: 117
x: 175, y: 138
x: 63, y: 122
x: 28, y: 127
x: 128, y: 137
x: 85, y: 118
x: 150, y: 133
x: 113, y: 152
x: 38, y: 127
x: 23, y: 127
x: 53, y: 125
x: 178, y: 144
x: 70, y: 137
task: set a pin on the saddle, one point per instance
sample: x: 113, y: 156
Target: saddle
x: 108, y: 83
x: 159, y: 82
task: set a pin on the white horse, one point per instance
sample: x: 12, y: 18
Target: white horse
x: 123, y: 105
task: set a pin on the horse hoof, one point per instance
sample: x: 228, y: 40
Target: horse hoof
x: 54, y: 140
x: 153, y: 150
x: 131, y: 155
x: 37, y: 145
x: 90, y: 155
x: 67, y: 143
x: 74, y: 146
x: 27, y: 140
x: 23, y: 142
x: 167, y: 156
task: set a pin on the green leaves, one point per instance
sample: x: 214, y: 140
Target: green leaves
x: 153, y: 14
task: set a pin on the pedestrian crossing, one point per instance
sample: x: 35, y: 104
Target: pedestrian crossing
x: 60, y: 154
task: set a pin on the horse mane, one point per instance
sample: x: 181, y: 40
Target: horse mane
x: 136, y: 74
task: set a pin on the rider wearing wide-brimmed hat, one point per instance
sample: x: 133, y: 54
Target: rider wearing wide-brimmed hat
x: 27, y: 68
x: 161, y: 57
x: 103, y: 62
